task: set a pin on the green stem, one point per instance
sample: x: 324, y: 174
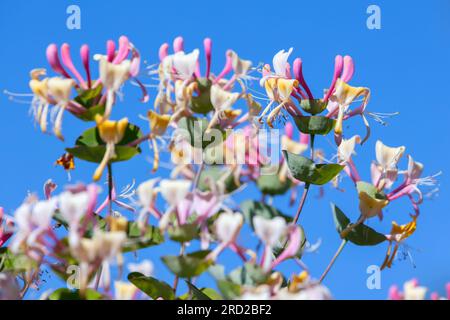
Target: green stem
x: 336, y: 255
x: 302, y: 202
x: 177, y: 279
x: 110, y: 187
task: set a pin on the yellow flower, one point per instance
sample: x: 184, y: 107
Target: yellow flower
x: 345, y: 95
x: 111, y: 132
x: 158, y: 123
x: 371, y: 206
x: 398, y: 234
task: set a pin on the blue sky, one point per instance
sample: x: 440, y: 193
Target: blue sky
x: 406, y: 65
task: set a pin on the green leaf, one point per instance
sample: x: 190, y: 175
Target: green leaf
x: 251, y: 209
x: 214, y: 173
x: 202, y: 102
x: 272, y: 185
x: 313, y: 106
x: 90, y: 100
x: 15, y: 263
x: 361, y: 235
x: 203, y: 293
x: 183, y: 233
x: 67, y: 294
x: 229, y: 289
x: 315, y: 124
x: 188, y: 266
x: 90, y: 97
x: 90, y: 147
x: 137, y: 239
x: 95, y: 154
x: 249, y: 275
x: 89, y: 114
x: 152, y: 287
x: 370, y: 190
x: 306, y: 170
x: 195, y: 131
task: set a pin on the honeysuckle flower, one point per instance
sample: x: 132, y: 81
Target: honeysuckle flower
x: 174, y: 192
x: 294, y: 242
x: 226, y: 228
x: 345, y: 152
x: 221, y: 100
x: 412, y: 290
x: 40, y: 102
x: 60, y: 89
x: 180, y: 75
x: 345, y: 95
x: 158, y: 126
x: 270, y: 231
x: 101, y: 249
x: 32, y: 219
x: 73, y: 207
x: 370, y: 206
x: 411, y: 184
x: 387, y: 160
x: 124, y: 290
x: 185, y: 64
x: 144, y: 267
x: 111, y: 132
x: 397, y: 235
x: 146, y: 193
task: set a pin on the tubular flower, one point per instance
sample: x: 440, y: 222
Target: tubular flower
x: 345, y: 152
x: 344, y: 96
x: 385, y: 171
x: 227, y: 227
x: 111, y: 132
x: 397, y: 235
x: 158, y: 126
x: 411, y: 183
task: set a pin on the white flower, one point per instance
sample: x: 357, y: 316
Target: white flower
x: 146, y: 192
x: 173, y: 191
x: 60, y: 89
x: 388, y: 157
x: 280, y: 62
x: 347, y: 148
x: 222, y: 99
x: 113, y: 75
x: 73, y: 207
x: 413, y: 291
x: 228, y: 226
x: 269, y: 230
x: 185, y: 64
x: 124, y: 290
x: 145, y: 267
x: 240, y: 66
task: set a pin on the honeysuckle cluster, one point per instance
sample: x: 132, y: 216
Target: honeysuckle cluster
x: 208, y: 140
x: 413, y: 291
